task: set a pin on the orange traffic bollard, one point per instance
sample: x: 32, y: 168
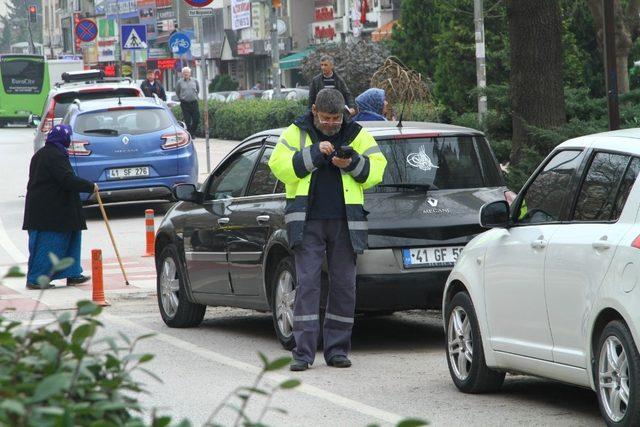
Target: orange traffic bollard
x: 96, y: 275
x: 150, y: 232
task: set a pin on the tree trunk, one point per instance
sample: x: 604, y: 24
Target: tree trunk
x: 536, y: 92
x: 625, y: 23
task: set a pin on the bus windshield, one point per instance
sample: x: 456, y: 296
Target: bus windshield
x: 22, y: 75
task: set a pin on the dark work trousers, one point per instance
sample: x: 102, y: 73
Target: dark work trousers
x: 331, y: 237
x: 191, y: 115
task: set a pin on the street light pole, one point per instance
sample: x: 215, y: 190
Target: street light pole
x: 119, y: 31
x: 275, y: 52
x: 481, y: 69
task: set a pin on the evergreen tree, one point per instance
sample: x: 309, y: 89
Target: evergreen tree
x: 5, y: 35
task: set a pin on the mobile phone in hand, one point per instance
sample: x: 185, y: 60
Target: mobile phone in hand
x: 344, y: 152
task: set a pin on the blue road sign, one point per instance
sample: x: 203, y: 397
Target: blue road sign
x: 134, y: 37
x: 86, y: 30
x: 179, y: 43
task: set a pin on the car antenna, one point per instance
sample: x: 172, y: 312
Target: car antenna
x: 119, y: 100
x: 404, y: 104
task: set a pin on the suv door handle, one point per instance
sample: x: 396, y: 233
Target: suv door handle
x: 539, y: 244
x: 263, y: 218
x: 224, y: 220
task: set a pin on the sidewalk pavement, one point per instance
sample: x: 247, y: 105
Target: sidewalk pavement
x: 140, y: 271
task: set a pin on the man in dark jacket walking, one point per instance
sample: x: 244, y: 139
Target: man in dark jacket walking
x: 53, y: 212
x: 151, y: 86
x: 330, y: 79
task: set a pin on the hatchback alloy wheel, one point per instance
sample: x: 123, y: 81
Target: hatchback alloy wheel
x: 613, y: 374
x: 460, y: 342
x: 169, y: 287
x: 285, y: 297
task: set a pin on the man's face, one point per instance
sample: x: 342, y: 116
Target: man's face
x: 151, y: 77
x: 327, y: 67
x: 327, y: 123
x: 186, y: 74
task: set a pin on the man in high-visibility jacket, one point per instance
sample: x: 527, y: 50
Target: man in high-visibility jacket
x: 325, y: 215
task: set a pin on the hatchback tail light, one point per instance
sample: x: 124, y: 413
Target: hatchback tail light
x: 175, y: 140
x: 79, y: 148
x: 636, y: 243
x: 510, y: 196
x: 47, y: 122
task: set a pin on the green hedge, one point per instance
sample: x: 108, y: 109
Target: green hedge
x: 239, y: 119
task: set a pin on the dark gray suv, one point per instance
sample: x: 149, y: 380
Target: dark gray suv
x: 227, y: 243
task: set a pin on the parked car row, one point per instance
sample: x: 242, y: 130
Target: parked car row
x: 549, y: 290
x: 131, y: 146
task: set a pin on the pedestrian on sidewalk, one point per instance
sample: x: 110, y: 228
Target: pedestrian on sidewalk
x: 371, y: 106
x: 329, y: 79
x: 53, y: 213
x: 326, y: 163
x: 151, y: 86
x: 187, y: 90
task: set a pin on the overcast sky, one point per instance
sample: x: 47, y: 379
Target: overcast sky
x: 3, y: 7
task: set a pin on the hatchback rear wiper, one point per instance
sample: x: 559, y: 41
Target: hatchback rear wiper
x: 411, y: 186
x: 105, y: 131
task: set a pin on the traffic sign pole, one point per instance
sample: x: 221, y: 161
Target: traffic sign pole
x: 205, y: 89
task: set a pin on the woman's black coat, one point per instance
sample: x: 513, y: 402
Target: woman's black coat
x: 53, y: 199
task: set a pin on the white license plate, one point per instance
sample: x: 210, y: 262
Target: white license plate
x: 431, y: 257
x: 125, y: 173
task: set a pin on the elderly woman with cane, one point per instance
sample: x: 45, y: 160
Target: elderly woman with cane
x: 53, y: 213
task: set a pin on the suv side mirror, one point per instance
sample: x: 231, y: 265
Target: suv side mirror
x: 186, y: 193
x: 35, y: 120
x: 495, y: 215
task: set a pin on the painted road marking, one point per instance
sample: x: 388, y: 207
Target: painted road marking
x: 10, y: 247
x: 307, y: 389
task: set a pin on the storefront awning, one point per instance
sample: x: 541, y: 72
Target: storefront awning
x: 383, y: 33
x: 295, y: 59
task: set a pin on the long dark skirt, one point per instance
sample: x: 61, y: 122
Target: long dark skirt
x: 63, y: 245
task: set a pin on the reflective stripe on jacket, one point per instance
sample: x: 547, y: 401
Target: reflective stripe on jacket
x: 293, y: 162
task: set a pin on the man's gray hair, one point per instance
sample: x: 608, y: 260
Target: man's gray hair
x: 326, y: 58
x: 330, y: 101
x: 186, y: 69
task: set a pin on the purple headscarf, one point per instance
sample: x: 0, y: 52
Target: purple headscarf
x: 60, y: 137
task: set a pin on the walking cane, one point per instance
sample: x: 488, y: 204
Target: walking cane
x: 113, y: 241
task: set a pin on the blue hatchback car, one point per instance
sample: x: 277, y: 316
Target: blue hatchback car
x: 134, y: 148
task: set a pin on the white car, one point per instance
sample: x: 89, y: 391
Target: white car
x: 551, y: 290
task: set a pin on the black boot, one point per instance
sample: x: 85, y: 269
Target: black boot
x: 72, y: 281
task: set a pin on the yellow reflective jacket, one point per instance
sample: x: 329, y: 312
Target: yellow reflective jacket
x: 297, y: 156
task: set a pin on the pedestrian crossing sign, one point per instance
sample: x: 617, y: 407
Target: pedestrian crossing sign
x: 134, y: 37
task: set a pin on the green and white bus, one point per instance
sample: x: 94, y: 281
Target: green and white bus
x: 24, y: 86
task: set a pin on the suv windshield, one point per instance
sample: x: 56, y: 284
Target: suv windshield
x: 131, y: 121
x: 63, y: 100
x: 450, y: 162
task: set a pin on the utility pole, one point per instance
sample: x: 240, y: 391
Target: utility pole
x: 611, y: 73
x: 481, y: 69
x: 205, y: 89
x: 275, y: 50
x: 119, y: 31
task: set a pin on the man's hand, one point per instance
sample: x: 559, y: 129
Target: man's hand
x: 352, y: 111
x: 340, y: 163
x: 326, y: 148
